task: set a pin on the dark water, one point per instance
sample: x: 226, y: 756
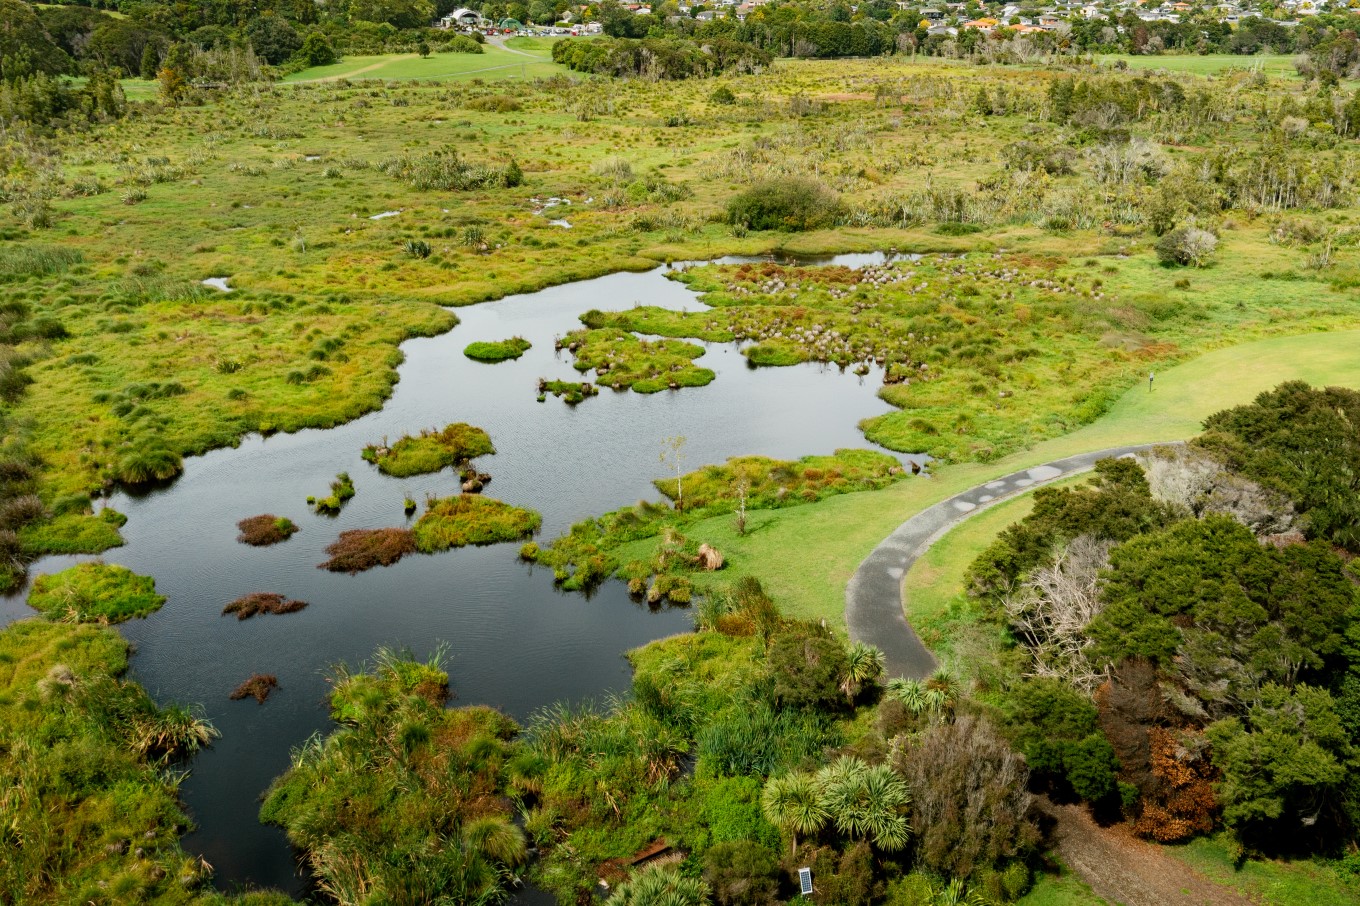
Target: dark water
x: 514, y: 641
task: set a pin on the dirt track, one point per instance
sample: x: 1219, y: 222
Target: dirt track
x: 1123, y: 869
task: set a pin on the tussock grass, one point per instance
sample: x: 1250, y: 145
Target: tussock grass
x: 342, y: 489
x: 94, y: 593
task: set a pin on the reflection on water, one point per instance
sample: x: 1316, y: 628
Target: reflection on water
x: 515, y: 642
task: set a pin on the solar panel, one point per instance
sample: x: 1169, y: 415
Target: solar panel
x: 805, y: 881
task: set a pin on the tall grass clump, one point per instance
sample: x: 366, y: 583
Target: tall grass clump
x: 37, y: 261
x: 342, y: 489
x: 83, y: 765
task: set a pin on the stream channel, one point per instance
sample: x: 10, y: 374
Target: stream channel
x: 514, y: 641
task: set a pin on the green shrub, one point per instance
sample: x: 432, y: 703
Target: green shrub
x: 790, y: 204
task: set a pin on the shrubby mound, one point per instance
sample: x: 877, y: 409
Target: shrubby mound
x: 359, y: 549
x: 499, y: 350
x: 262, y: 602
x: 790, y: 204
x: 264, y: 530
x: 436, y: 776
x: 95, y: 593
x: 471, y: 519
x: 430, y: 450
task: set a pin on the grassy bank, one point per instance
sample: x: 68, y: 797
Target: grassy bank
x: 492, y: 64
x: 806, y: 555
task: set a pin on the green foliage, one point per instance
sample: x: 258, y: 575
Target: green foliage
x: 1286, y: 767
x: 789, y: 204
x: 1056, y: 729
x: 342, y: 489
x: 807, y: 664
x: 1303, y: 442
x: 770, y: 483
x: 404, y: 802
x: 497, y: 351
x: 430, y: 451
x: 74, y: 533
x: 1238, y: 614
x: 742, y: 873
x: 657, y: 58
x: 659, y: 885
x: 1115, y: 507
x: 92, y: 815
x: 471, y: 519
x: 94, y: 593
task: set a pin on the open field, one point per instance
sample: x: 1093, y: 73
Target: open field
x: 493, y: 64
x: 1276, y: 65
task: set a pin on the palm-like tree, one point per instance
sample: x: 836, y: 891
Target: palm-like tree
x: 911, y: 693
x: 793, y: 803
x: 863, y: 664
x: 866, y: 802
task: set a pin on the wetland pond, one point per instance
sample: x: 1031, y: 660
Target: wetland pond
x: 514, y: 641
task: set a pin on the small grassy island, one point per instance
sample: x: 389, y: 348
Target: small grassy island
x: 622, y: 360
x: 430, y: 450
x: 95, y: 593
x: 472, y: 519
x: 499, y: 350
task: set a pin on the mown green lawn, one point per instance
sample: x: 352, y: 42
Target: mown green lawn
x: 493, y: 63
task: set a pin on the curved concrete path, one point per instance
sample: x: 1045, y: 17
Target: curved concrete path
x: 874, y: 611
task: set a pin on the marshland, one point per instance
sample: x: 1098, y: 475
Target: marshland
x: 797, y: 302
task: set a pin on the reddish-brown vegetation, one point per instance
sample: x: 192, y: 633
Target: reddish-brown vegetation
x: 258, y: 687
x: 264, y: 530
x: 262, y: 602
x: 359, y: 549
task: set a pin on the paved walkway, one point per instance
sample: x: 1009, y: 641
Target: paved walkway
x: 873, y: 599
